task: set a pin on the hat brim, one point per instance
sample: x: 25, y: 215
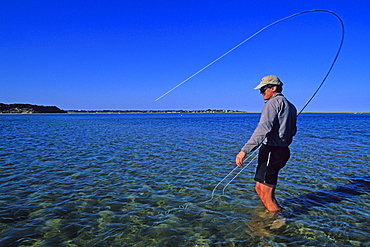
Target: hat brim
x: 260, y: 85
x: 265, y: 84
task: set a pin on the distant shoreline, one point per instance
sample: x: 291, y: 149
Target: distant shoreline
x: 196, y: 112
x: 154, y: 111
x: 164, y: 112
x: 28, y: 109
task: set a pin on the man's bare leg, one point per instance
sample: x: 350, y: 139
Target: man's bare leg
x: 266, y: 193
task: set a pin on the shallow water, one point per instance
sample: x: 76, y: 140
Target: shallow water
x: 147, y: 179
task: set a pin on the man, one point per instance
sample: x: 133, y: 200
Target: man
x: 275, y: 132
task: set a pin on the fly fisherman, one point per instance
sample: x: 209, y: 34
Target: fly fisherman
x: 275, y: 131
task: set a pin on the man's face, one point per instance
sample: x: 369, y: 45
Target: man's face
x: 268, y: 92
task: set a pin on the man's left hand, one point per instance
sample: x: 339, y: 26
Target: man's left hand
x: 239, y: 158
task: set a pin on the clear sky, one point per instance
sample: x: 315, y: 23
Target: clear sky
x: 122, y: 55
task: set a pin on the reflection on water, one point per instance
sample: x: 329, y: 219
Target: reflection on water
x: 264, y: 223
x: 144, y: 180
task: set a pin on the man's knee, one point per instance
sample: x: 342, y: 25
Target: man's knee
x: 264, y: 188
x: 272, y: 186
x: 258, y: 188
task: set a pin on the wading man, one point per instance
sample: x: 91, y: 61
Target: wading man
x: 274, y: 132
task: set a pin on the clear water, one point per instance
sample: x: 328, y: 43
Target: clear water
x: 144, y: 180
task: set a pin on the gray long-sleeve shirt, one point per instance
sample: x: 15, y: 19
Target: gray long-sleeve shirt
x: 277, y: 124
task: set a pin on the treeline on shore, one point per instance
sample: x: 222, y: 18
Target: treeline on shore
x: 28, y: 109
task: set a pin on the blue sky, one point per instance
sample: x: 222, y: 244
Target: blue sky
x: 123, y: 55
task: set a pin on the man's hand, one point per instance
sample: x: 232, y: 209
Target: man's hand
x: 239, y: 158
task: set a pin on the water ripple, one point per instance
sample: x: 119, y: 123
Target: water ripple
x: 146, y: 180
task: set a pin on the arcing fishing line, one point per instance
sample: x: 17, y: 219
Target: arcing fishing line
x: 306, y: 104
x: 255, y: 34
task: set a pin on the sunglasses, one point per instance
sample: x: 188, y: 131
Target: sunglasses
x: 264, y: 88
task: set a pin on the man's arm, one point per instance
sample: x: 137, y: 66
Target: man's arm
x: 268, y: 116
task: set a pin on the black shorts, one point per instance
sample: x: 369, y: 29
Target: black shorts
x: 270, y: 160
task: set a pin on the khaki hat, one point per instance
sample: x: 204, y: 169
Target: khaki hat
x: 269, y: 80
